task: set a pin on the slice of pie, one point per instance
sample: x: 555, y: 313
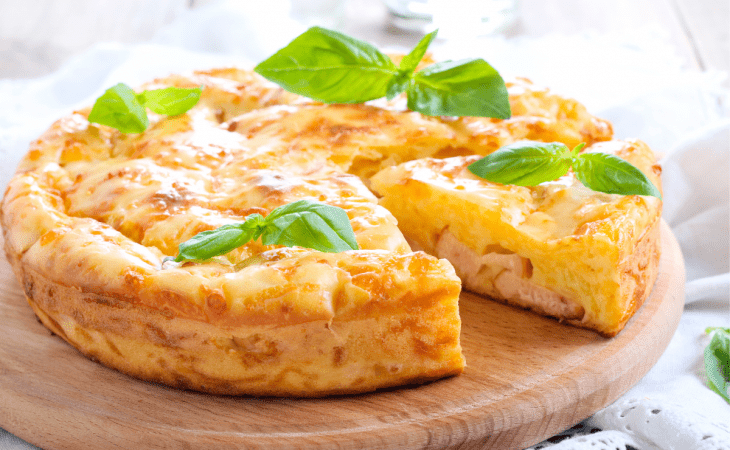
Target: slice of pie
x: 558, y: 248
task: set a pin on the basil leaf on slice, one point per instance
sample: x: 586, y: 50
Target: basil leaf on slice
x: 717, y: 361
x: 220, y: 241
x: 610, y: 174
x: 459, y: 88
x: 524, y: 163
x: 330, y: 67
x: 305, y: 223
x: 530, y: 163
x: 119, y: 108
x: 171, y: 101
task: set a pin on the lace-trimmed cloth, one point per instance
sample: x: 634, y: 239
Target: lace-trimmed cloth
x: 643, y: 424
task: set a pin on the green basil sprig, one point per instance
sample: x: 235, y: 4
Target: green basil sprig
x: 121, y: 108
x: 303, y: 223
x: 529, y: 163
x: 717, y: 361
x: 332, y: 67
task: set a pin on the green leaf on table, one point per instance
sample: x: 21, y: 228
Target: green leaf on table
x: 119, y: 108
x: 330, y: 67
x: 303, y: 223
x: 171, y: 101
x: 717, y: 361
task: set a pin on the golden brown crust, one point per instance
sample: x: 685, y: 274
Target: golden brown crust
x: 638, y: 271
x: 91, y: 214
x: 352, y: 354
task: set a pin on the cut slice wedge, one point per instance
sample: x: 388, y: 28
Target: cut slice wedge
x: 558, y: 248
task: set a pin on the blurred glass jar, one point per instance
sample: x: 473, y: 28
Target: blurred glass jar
x: 453, y: 18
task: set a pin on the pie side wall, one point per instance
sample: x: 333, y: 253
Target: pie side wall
x: 310, y: 359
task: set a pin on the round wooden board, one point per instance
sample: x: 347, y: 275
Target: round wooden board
x: 527, y: 378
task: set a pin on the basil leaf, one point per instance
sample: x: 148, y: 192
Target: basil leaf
x: 119, y: 108
x: 459, y: 88
x: 220, y: 241
x: 610, y: 174
x: 530, y: 163
x: 525, y: 163
x: 409, y: 62
x: 717, y: 361
x: 310, y: 224
x: 399, y: 83
x: 334, y: 68
x: 330, y: 67
x: 303, y: 223
x: 171, y: 101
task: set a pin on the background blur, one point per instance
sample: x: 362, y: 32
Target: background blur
x: 37, y: 36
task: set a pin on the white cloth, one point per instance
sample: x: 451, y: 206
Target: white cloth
x: 633, y: 79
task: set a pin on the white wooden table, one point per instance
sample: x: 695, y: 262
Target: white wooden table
x: 37, y: 36
x: 699, y: 29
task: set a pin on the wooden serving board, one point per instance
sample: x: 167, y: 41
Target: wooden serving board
x: 527, y: 378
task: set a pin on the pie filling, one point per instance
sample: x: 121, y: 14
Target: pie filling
x: 503, y: 275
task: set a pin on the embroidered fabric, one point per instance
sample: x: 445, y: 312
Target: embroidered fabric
x: 643, y: 424
x: 583, y: 436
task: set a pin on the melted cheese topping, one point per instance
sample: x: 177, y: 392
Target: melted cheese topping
x: 363, y: 139
x: 91, y: 213
x: 550, y: 211
x: 115, y: 205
